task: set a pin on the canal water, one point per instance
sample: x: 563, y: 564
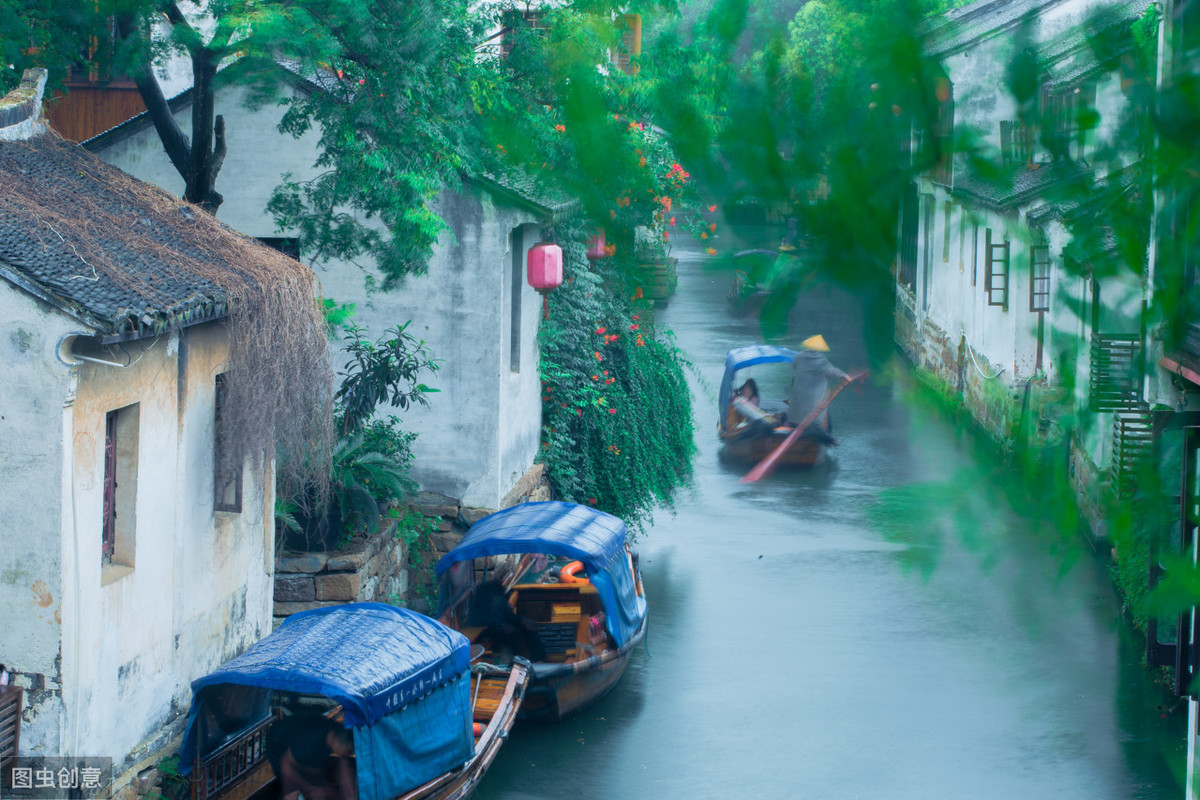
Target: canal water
x: 803, y: 644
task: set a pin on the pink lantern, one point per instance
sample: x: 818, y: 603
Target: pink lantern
x: 597, y: 246
x: 544, y: 267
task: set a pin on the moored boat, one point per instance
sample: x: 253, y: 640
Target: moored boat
x: 425, y: 724
x: 750, y: 434
x: 572, y: 599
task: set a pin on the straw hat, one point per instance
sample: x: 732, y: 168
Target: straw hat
x: 815, y: 343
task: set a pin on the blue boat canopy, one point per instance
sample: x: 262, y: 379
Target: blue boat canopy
x: 371, y: 658
x: 563, y: 529
x: 401, y: 678
x: 741, y: 358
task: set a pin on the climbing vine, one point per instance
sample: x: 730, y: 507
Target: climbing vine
x: 616, y: 409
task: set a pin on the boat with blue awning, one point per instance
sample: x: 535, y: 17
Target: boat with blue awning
x: 571, y: 599
x: 425, y: 723
x: 750, y: 432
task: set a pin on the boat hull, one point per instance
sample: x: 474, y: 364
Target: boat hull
x: 804, y: 452
x: 460, y: 783
x: 559, y: 690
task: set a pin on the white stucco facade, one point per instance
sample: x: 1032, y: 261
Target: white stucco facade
x: 996, y: 337
x: 480, y: 431
x: 107, y: 652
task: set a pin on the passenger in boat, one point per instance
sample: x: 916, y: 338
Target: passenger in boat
x: 309, y: 755
x: 744, y: 414
x: 811, y: 374
x: 509, y: 632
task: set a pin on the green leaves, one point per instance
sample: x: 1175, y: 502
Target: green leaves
x: 616, y: 410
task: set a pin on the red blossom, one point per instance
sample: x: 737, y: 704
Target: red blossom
x: 712, y: 209
x: 601, y: 330
x: 598, y: 356
x: 612, y: 411
x: 712, y: 226
x: 634, y: 327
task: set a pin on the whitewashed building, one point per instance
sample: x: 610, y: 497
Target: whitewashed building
x: 473, y: 309
x: 132, y: 562
x: 990, y: 298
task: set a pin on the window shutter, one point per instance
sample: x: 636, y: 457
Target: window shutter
x: 995, y: 274
x: 11, y: 697
x: 631, y: 42
x: 108, y: 531
x: 1114, y: 380
x: 1039, y: 278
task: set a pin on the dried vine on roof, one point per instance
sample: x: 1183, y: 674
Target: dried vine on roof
x: 156, y: 262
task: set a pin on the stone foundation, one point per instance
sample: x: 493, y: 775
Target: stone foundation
x: 374, y: 569
x: 379, y: 568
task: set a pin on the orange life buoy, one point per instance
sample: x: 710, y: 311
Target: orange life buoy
x: 567, y: 573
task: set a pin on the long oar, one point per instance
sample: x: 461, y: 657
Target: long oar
x: 768, y: 463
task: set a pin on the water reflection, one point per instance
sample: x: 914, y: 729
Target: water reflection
x: 804, y: 645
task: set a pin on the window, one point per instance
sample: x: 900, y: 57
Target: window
x: 943, y: 134
x: 974, y: 254
x: 517, y: 26
x: 227, y: 461
x: 120, y: 485
x: 630, y: 26
x: 995, y: 271
x: 1039, y: 278
x: 909, y: 223
x: 1069, y: 116
x: 516, y: 282
x: 927, y: 259
x: 1016, y: 143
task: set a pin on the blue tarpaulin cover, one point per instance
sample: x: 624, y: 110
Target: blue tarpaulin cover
x: 570, y: 530
x: 375, y: 660
x: 741, y: 358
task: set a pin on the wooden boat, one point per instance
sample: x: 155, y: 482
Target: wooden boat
x: 747, y: 290
x: 588, y: 628
x: 426, y: 722
x: 749, y: 439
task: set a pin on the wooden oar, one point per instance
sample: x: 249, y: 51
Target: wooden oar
x: 766, y: 465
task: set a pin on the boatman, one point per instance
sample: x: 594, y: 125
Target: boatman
x: 310, y: 754
x: 811, y: 374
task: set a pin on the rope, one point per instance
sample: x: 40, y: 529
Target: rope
x: 971, y: 353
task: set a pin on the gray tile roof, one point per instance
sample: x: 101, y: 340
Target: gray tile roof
x: 125, y: 257
x: 1006, y: 192
x: 960, y: 28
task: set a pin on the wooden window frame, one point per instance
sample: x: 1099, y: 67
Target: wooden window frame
x: 996, y: 271
x: 1039, y: 278
x: 515, y: 19
x: 120, y: 488
x: 227, y: 467
x: 943, y: 134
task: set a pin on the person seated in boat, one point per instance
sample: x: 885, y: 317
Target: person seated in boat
x: 509, y: 633
x: 310, y: 756
x: 811, y: 376
x: 745, y: 416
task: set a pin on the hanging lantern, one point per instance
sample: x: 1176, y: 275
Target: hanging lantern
x: 597, y: 247
x: 544, y: 271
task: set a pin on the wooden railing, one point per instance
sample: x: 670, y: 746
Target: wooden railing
x: 234, y: 762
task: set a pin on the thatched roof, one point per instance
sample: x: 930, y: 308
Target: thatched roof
x: 123, y: 256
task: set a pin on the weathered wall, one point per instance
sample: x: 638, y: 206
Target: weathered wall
x: 34, y: 391
x: 198, y: 589
x: 480, y: 431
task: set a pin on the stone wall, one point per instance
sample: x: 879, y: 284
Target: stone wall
x: 380, y: 568
x: 373, y: 569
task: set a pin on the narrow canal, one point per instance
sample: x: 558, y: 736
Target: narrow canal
x: 798, y: 650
